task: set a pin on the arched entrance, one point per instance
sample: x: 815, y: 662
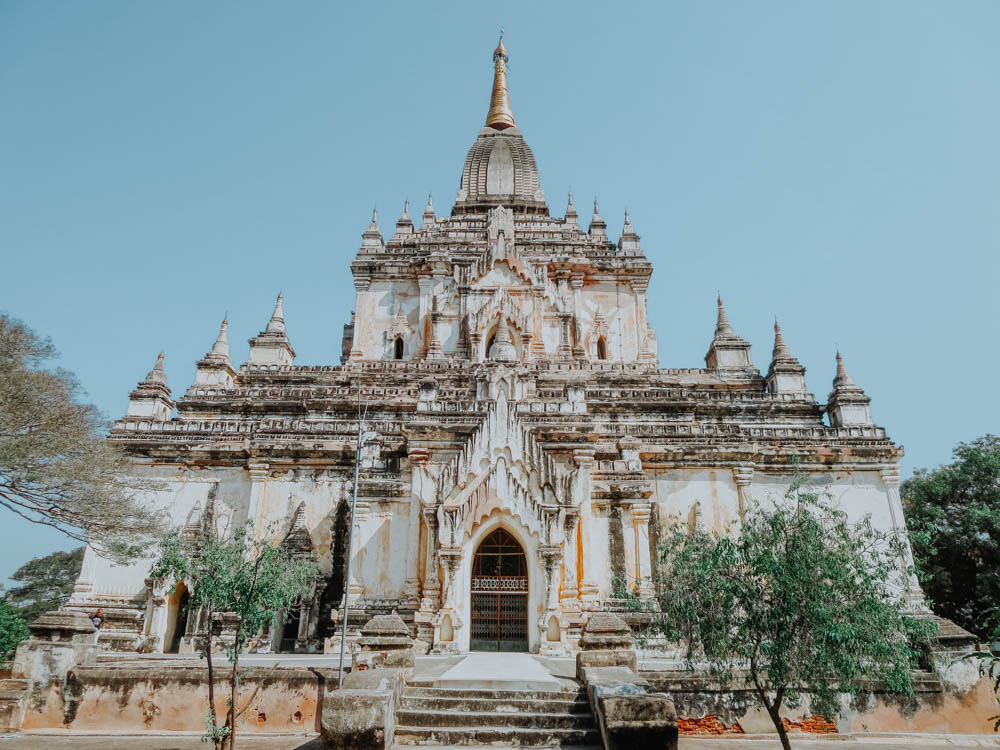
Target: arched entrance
x: 499, y: 595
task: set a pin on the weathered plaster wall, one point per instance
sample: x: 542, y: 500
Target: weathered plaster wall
x: 176, y: 699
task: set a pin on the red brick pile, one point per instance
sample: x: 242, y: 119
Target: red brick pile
x: 811, y: 724
x: 713, y: 725
x: 706, y: 725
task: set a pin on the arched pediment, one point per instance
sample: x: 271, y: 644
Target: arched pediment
x: 501, y: 303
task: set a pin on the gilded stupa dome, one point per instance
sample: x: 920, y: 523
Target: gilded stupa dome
x: 500, y: 168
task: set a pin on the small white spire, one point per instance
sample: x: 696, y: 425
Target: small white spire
x: 157, y: 375
x: 429, y: 217
x: 221, y: 346
x: 372, y: 237
x: 598, y: 228
x: 277, y: 322
x: 722, y: 325
x: 842, y: 379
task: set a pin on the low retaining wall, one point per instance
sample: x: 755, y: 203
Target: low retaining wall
x: 963, y: 708
x: 175, y: 698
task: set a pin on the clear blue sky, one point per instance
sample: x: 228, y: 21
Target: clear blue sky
x: 832, y: 163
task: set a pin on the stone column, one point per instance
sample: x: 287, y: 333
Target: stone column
x: 570, y: 600
x: 432, y: 586
x: 538, y: 319
x: 576, y: 284
x: 640, y: 524
x: 910, y: 584
x: 584, y: 460
x: 551, y: 556
x: 258, y: 490
x: 743, y: 476
x: 639, y: 288
x: 361, y: 285
x: 411, y: 586
x: 425, y: 284
x: 462, y: 350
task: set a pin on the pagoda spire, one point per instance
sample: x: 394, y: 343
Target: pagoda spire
x: 786, y: 374
x: 500, y: 116
x: 728, y: 354
x: 847, y: 405
x: 371, y: 238
x: 221, y: 346
x: 271, y: 346
x: 216, y: 368
x: 151, y: 398
x: 429, y: 217
x: 404, y: 226
x: 571, y: 215
x: 781, y: 350
x: 598, y: 227
x: 722, y: 325
x: 277, y: 322
x: 157, y: 376
x: 628, y: 243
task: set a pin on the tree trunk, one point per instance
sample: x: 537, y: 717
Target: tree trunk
x: 773, y: 712
x: 211, y: 681
x: 773, y: 709
x: 233, y: 689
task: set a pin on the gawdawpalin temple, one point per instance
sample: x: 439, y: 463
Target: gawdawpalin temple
x: 530, y: 450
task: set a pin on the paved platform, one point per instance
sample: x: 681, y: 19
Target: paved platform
x: 507, y: 671
x: 191, y: 741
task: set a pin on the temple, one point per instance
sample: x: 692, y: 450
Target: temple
x: 530, y: 450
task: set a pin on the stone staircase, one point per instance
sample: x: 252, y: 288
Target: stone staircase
x: 496, y: 718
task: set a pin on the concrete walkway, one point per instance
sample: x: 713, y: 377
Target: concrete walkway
x: 483, y: 671
x: 32, y: 741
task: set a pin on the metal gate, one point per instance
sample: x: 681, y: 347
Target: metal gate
x: 499, y: 595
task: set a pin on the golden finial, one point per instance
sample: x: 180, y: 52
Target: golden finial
x: 500, y: 115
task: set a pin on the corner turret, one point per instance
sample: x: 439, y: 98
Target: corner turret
x: 151, y: 398
x: 786, y: 374
x: 847, y: 404
x: 271, y: 346
x: 729, y: 354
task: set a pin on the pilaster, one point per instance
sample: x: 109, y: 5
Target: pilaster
x: 743, y: 476
x: 641, y: 513
x: 259, y: 472
x: 590, y: 594
x: 361, y: 284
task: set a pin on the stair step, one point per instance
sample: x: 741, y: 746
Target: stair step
x: 466, y: 736
x: 540, y: 705
x: 497, y: 720
x: 567, y: 694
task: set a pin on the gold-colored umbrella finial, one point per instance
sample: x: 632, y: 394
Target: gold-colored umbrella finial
x: 500, y: 115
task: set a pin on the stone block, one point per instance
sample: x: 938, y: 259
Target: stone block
x: 385, y: 642
x: 634, y: 721
x: 358, y: 719
x: 605, y: 658
x: 58, y: 642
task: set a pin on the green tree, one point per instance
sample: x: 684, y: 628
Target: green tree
x: 953, y: 514
x: 250, y: 579
x: 13, y: 629
x: 55, y: 466
x: 46, y: 583
x: 795, y: 606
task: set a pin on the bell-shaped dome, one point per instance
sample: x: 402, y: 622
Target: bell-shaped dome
x: 500, y: 169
